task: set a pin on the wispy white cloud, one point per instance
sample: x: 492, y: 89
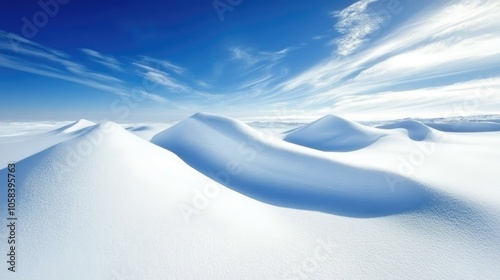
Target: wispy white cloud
x: 164, y: 79
x: 473, y: 97
x: 426, y: 63
x: 157, y: 76
x: 164, y: 65
x: 107, y: 61
x: 28, y: 56
x: 167, y: 78
x: 25, y: 55
x: 15, y: 63
x: 319, y: 37
x: 252, y: 58
x: 445, y: 57
x: 203, y: 84
x: 257, y: 70
x: 450, y: 41
x: 154, y: 97
x: 355, y: 23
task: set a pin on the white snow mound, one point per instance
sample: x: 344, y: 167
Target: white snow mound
x: 284, y: 174
x: 16, y: 148
x: 76, y: 126
x: 333, y: 133
x: 106, y: 204
x: 416, y: 130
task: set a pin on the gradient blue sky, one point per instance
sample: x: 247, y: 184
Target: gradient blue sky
x: 163, y: 60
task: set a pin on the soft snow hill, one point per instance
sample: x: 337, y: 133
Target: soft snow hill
x: 333, y: 133
x: 358, y: 184
x: 284, y: 174
x: 416, y: 130
x: 146, y: 131
x: 75, y: 126
x: 15, y: 148
x: 92, y: 206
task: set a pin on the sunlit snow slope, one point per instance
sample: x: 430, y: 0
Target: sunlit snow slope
x: 106, y: 204
x: 15, y: 148
x: 280, y: 173
x: 333, y: 133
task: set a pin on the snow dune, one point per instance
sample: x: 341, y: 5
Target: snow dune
x: 75, y: 126
x: 15, y: 148
x: 284, y: 174
x: 416, y: 130
x: 92, y: 205
x: 333, y: 133
x: 146, y: 131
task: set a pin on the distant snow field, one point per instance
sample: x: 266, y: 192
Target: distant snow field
x: 211, y: 197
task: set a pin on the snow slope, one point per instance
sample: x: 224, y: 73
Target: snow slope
x: 107, y: 204
x: 283, y: 174
x: 146, y: 131
x: 75, y: 126
x: 91, y: 206
x: 17, y: 147
x: 416, y: 130
x: 333, y: 133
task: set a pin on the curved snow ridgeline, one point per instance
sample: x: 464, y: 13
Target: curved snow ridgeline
x: 75, y: 126
x: 416, y: 130
x: 284, y: 174
x: 19, y: 147
x: 333, y: 133
x: 88, y: 207
x: 100, y: 198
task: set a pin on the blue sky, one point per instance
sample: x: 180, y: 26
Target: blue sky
x: 163, y: 60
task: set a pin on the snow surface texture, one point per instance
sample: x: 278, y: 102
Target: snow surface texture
x: 17, y: 147
x: 284, y: 174
x: 20, y: 140
x: 106, y: 204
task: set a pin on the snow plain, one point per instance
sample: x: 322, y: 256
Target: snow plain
x: 213, y: 198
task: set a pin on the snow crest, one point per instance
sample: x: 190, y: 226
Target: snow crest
x: 284, y: 174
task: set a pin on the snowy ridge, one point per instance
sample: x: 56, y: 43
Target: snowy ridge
x: 19, y: 147
x: 98, y: 196
x: 285, y: 174
x: 103, y: 197
x: 146, y: 131
x: 75, y: 126
x: 416, y: 130
x: 333, y: 133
